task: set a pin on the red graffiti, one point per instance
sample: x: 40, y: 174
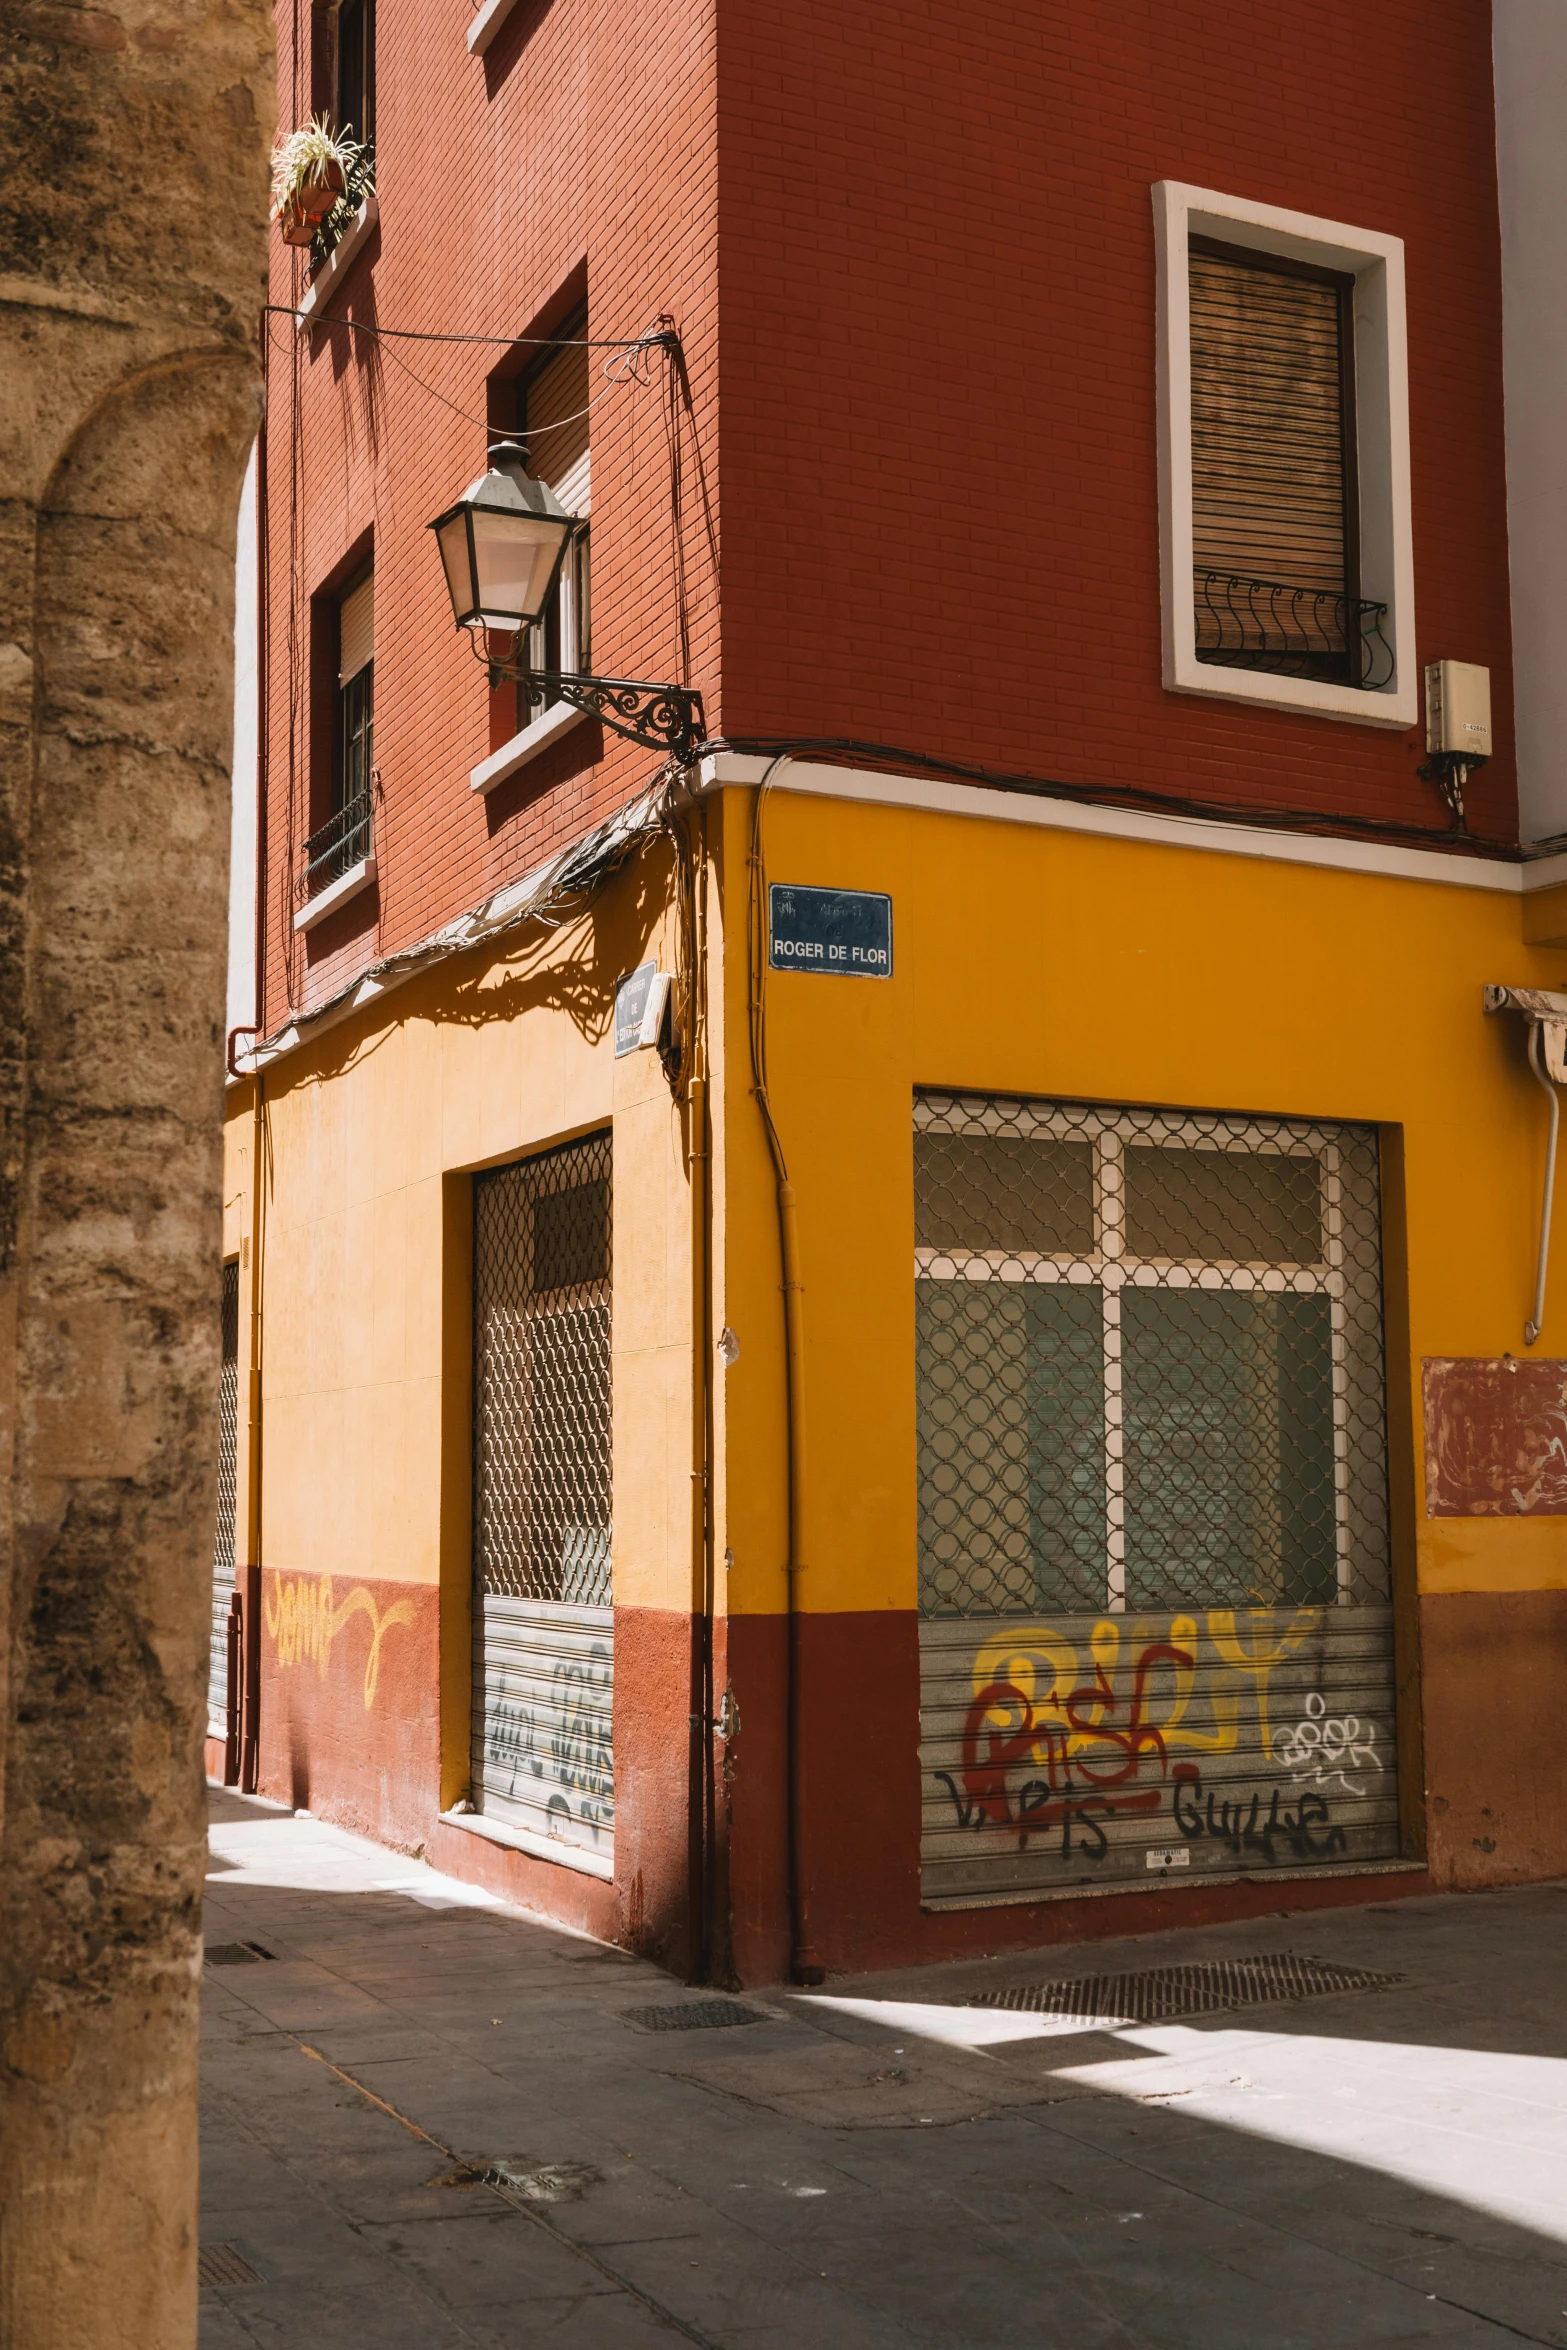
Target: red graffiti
x: 1139, y: 1736
x: 1005, y: 1748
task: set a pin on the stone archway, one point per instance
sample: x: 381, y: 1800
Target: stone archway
x: 127, y: 367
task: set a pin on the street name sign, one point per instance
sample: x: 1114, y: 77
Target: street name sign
x: 846, y: 931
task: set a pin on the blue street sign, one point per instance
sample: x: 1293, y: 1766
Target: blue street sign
x: 631, y: 1007
x: 848, y: 931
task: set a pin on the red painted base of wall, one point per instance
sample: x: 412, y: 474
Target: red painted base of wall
x: 350, y: 1710
x: 1494, y: 1674
x: 350, y: 1730
x: 860, y: 1711
x: 589, y: 1905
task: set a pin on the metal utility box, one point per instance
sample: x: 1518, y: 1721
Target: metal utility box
x: 1458, y: 709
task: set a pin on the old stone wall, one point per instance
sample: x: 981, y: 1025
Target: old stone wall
x: 132, y: 246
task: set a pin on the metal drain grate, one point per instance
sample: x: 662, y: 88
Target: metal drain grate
x: 225, y: 2264
x: 1204, y: 1988
x: 237, y: 1953
x: 698, y: 2015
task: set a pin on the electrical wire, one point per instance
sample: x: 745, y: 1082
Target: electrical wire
x: 626, y: 367
x: 1325, y: 822
x: 409, y: 334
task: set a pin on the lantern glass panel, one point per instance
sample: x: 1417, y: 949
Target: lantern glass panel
x: 452, y: 538
x: 516, y: 556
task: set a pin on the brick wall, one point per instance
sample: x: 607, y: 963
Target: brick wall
x: 580, y: 146
x: 937, y: 370
x: 931, y: 230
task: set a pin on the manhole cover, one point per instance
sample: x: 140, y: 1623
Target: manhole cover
x: 237, y: 1953
x: 1205, y: 1987
x: 697, y: 2015
x: 225, y: 2264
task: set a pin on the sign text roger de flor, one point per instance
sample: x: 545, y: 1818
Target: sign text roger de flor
x: 843, y: 931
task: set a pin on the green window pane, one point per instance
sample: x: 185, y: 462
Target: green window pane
x: 1248, y: 1207
x: 1229, y: 1490
x: 974, y: 1191
x: 1010, y: 1422
x: 1067, y: 1445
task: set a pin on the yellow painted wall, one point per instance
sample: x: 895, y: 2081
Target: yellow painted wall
x: 1026, y: 960
x: 372, y: 1133
x: 1036, y: 961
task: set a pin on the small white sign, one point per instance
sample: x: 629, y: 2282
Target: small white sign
x: 1169, y: 1856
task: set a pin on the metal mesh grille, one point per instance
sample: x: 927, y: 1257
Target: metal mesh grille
x: 542, y: 1376
x: 1149, y: 1360
x: 1205, y: 1987
x: 228, y: 1502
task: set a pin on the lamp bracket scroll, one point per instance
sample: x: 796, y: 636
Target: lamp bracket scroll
x: 661, y: 717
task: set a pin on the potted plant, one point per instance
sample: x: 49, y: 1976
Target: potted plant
x: 311, y: 169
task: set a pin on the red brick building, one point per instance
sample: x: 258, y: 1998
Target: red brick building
x: 910, y: 365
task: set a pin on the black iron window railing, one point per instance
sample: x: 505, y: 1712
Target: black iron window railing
x: 1293, y: 631
x: 343, y: 842
x: 360, y: 178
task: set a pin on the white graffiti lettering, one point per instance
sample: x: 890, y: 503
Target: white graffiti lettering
x: 1323, y: 1746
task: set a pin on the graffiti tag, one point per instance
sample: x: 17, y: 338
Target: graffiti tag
x: 302, y: 1616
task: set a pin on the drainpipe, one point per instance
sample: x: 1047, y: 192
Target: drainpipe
x: 704, y: 1725
x: 805, y: 1965
x: 1546, y: 1014
x: 1531, y: 1328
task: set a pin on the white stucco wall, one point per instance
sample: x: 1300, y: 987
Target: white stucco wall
x: 242, y: 836
x: 1530, y: 39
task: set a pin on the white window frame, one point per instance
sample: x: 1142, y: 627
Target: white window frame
x: 1387, y: 565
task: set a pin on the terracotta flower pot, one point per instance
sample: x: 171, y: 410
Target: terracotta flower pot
x: 297, y: 230
x: 315, y: 198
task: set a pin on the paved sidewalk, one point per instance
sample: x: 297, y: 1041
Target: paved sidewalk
x: 878, y: 2165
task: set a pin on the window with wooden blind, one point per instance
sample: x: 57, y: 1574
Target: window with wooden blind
x: 1287, y: 567
x: 1275, y: 553
x: 556, y: 396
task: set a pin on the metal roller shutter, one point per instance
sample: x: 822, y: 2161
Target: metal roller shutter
x: 1154, y: 1582
x: 1273, y: 482
x: 223, y: 1544
x: 543, y: 1664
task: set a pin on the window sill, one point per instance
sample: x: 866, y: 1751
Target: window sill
x: 569, y: 1856
x: 534, y: 738
x: 320, y: 289
x: 487, y: 24
x: 326, y: 901
x: 1185, y: 674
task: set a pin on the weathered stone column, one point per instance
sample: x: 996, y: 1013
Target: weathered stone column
x: 132, y: 228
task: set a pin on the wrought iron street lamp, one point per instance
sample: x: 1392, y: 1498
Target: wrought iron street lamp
x: 502, y: 546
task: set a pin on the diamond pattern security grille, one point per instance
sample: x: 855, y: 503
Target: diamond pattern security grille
x: 698, y: 2015
x: 1207, y: 1987
x: 228, y: 1493
x: 1149, y: 1360
x: 542, y: 1376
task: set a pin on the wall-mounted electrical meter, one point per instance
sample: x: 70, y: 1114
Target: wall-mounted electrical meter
x: 1458, y: 709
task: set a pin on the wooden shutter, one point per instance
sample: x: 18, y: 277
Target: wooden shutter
x: 356, y: 630
x: 556, y: 424
x: 1272, y: 420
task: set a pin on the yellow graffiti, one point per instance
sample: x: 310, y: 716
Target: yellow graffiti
x: 301, y: 1615
x: 1042, y: 1668
x: 1259, y: 1661
x: 1226, y: 1710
